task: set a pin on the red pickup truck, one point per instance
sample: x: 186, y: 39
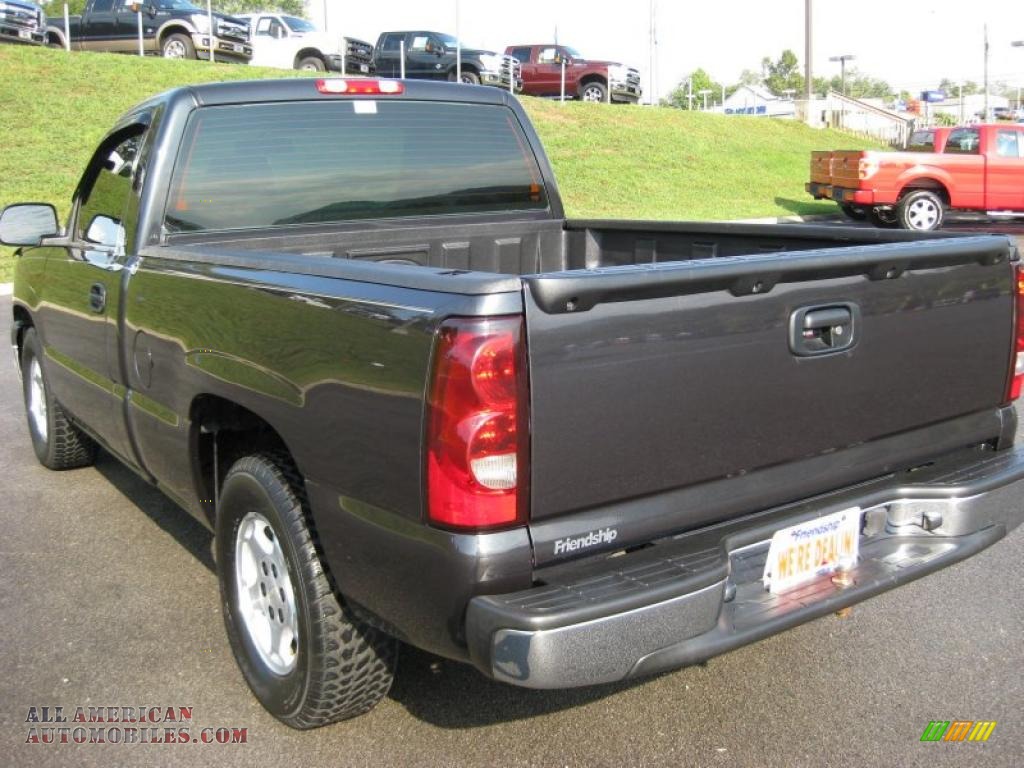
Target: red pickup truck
x: 980, y: 168
x: 585, y: 79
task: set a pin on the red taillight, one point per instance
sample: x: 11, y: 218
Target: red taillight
x: 478, y: 425
x: 342, y: 87
x: 1017, y: 360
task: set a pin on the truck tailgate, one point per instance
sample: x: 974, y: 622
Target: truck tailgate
x: 650, y: 379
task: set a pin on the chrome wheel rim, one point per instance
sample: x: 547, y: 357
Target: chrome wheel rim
x: 37, y: 398
x: 175, y: 49
x: 468, y: 80
x: 923, y: 214
x: 310, y: 68
x: 593, y: 94
x: 266, y: 599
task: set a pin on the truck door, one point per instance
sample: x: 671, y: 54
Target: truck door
x: 98, y: 23
x: 1004, y: 180
x: 525, y: 57
x: 125, y: 35
x: 548, y: 72
x: 389, y: 47
x: 271, y: 47
x: 424, y: 57
x: 82, y: 293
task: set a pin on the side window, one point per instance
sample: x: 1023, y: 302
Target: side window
x: 101, y: 6
x: 1008, y: 144
x: 419, y: 43
x: 922, y: 141
x: 523, y: 54
x: 104, y: 194
x: 548, y: 56
x: 963, y: 141
x: 392, y: 43
x: 263, y: 27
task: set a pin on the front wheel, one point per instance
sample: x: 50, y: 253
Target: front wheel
x: 594, y: 91
x: 308, y: 659
x: 921, y: 210
x: 178, y: 46
x: 58, y: 443
x: 468, y: 78
x: 311, y: 64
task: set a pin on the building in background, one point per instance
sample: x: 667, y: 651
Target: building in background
x: 752, y: 100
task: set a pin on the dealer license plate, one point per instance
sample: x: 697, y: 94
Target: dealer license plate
x: 238, y: 48
x: 803, y: 552
x: 364, y: 67
x: 24, y: 35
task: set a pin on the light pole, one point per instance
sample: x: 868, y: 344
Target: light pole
x: 842, y: 67
x: 1018, y: 44
x: 704, y: 92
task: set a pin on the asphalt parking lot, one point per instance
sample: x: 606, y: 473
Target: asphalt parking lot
x: 110, y: 599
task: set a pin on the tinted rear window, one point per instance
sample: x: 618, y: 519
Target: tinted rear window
x: 963, y: 141
x: 263, y: 165
x: 922, y: 141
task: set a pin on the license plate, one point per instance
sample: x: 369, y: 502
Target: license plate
x: 238, y: 48
x: 364, y: 67
x: 806, y: 551
x: 24, y: 35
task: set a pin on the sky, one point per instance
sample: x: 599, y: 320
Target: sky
x: 912, y: 44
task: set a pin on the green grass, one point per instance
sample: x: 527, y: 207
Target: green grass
x: 619, y: 162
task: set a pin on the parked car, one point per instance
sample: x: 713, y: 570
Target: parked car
x: 288, y: 42
x: 431, y: 56
x: 585, y: 79
x: 174, y: 29
x: 980, y: 168
x: 416, y: 403
x: 23, y: 22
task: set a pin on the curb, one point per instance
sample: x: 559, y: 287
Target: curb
x: 794, y: 219
x: 6, y: 289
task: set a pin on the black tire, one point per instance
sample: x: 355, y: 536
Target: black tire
x: 341, y: 666
x: 468, y: 77
x: 594, y: 91
x: 882, y: 217
x: 177, y: 46
x: 855, y: 212
x: 312, y: 64
x: 63, y: 446
x: 921, y: 210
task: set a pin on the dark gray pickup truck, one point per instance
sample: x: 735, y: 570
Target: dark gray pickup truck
x: 416, y: 404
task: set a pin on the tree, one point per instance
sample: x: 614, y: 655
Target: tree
x: 783, y: 74
x: 697, y: 81
x: 952, y: 88
x: 293, y: 7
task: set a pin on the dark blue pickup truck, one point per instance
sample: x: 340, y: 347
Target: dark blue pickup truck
x: 417, y: 404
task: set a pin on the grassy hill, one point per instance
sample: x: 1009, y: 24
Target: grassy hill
x: 610, y: 162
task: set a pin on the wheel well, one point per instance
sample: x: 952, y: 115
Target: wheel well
x: 222, y: 433
x: 588, y: 79
x: 933, y: 184
x: 54, y: 38
x: 22, y: 321
x: 309, y: 53
x: 466, y: 68
x: 174, y: 30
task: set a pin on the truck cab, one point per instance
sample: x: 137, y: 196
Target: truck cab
x: 585, y: 79
x: 288, y: 42
x: 432, y: 56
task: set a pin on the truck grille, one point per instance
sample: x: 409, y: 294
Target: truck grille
x: 16, y: 16
x: 633, y: 78
x: 357, y: 49
x: 511, y: 65
x: 233, y: 31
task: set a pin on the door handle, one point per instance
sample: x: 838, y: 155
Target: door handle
x: 97, y: 297
x: 823, y: 330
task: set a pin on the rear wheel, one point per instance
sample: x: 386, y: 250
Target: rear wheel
x: 311, y: 64
x: 882, y: 217
x: 594, y: 91
x: 855, y: 212
x: 308, y: 659
x: 920, y: 210
x: 177, y: 46
x: 58, y: 443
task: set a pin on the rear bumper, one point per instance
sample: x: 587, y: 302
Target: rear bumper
x: 840, y: 194
x: 687, y: 599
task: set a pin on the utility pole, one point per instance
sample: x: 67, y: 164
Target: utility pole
x: 704, y: 92
x: 987, y: 117
x: 1018, y: 44
x: 808, y: 55
x: 842, y: 67
x: 689, y: 93
x: 326, y: 28
x: 212, y: 29
x: 652, y: 41
x: 960, y: 94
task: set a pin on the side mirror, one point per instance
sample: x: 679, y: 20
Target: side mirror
x: 28, y: 223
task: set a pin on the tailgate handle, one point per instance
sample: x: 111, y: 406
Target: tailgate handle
x: 823, y: 330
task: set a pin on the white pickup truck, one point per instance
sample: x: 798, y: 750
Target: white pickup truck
x: 288, y: 42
